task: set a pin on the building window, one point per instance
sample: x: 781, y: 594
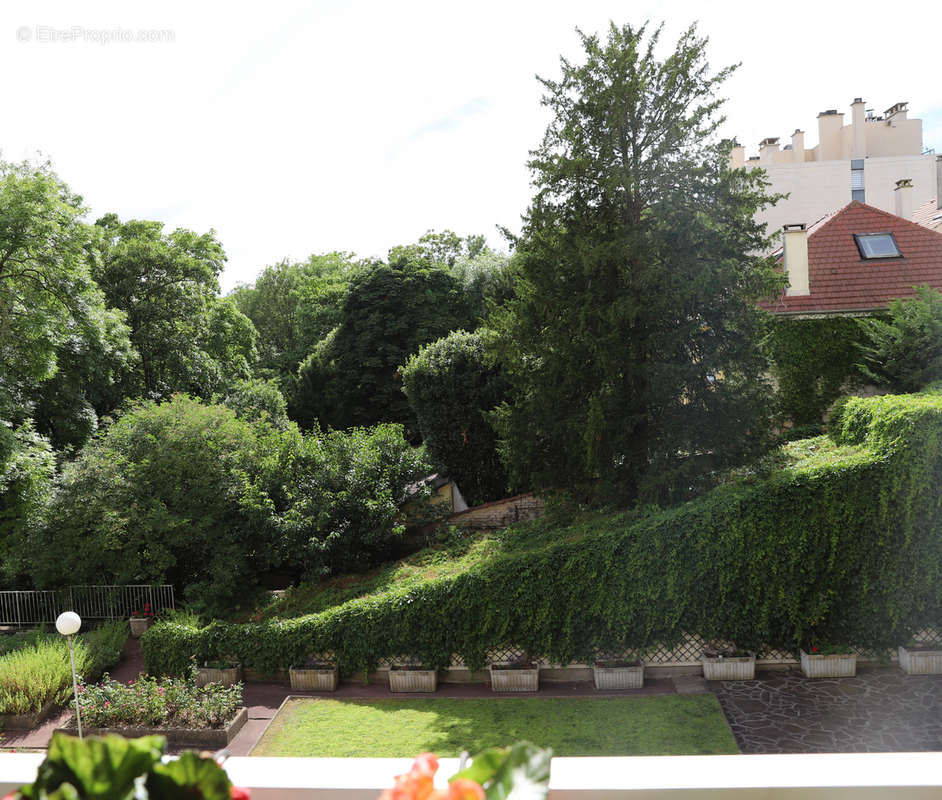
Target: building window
x: 857, y: 180
x: 877, y: 245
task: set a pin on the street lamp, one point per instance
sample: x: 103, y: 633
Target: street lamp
x: 68, y: 624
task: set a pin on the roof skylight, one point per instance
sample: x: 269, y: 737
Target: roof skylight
x: 877, y: 245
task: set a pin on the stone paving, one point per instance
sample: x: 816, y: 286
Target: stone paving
x: 880, y: 710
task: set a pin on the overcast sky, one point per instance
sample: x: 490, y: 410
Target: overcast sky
x: 293, y: 128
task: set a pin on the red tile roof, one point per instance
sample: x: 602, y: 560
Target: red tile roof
x: 929, y: 214
x: 843, y: 282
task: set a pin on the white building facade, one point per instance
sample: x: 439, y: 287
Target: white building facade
x: 861, y: 161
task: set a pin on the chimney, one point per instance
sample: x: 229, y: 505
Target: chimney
x: 798, y: 145
x: 904, y: 198
x: 737, y: 156
x: 829, y: 135
x: 795, y: 255
x: 858, y: 147
x: 938, y: 181
x: 766, y: 148
x: 896, y: 112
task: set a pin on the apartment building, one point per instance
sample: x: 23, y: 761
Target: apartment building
x: 862, y: 161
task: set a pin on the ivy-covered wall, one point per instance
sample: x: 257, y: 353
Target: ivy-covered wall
x: 812, y: 359
x: 841, y: 546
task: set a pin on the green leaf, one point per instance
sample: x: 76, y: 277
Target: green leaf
x: 190, y: 776
x: 521, y: 772
x: 96, y: 767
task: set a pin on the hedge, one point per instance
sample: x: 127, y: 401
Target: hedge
x: 839, y: 546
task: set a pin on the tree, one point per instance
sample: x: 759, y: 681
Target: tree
x: 293, y: 306
x: 178, y: 492
x: 188, y: 339
x: 389, y: 311
x: 49, y: 302
x: 904, y: 353
x: 451, y: 387
x: 630, y: 344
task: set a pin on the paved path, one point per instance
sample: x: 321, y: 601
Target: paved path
x: 881, y: 710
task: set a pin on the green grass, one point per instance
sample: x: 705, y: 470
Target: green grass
x: 604, y: 726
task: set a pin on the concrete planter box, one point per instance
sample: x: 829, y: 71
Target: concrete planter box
x: 618, y: 677
x: 227, y: 677
x: 25, y: 722
x: 733, y: 668
x: 506, y: 677
x: 205, y: 738
x: 412, y: 679
x: 839, y: 665
x: 313, y: 679
x: 138, y: 626
x: 915, y: 661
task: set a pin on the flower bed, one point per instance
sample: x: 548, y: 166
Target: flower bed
x: 152, y: 703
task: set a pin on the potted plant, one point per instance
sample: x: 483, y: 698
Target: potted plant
x: 618, y: 674
x: 226, y: 671
x: 412, y: 678
x: 920, y: 659
x: 522, y: 675
x: 140, y: 621
x: 314, y: 676
x: 723, y: 661
x: 825, y: 660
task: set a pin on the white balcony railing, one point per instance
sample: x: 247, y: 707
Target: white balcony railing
x: 894, y: 776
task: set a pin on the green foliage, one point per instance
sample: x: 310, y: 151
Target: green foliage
x: 115, y: 768
x: 48, y: 300
x: 904, y: 353
x: 39, y: 673
x: 503, y: 772
x: 27, y: 467
x: 178, y: 492
x: 450, y: 387
x: 813, y: 363
x: 346, y: 511
x: 258, y: 399
x: 631, y: 341
x: 293, y: 306
x: 351, y: 378
x: 831, y: 542
x: 168, y: 703
x: 188, y: 339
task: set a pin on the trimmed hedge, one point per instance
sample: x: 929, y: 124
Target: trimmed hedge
x: 840, y: 545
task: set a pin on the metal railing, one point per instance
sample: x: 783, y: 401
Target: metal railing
x: 27, y: 608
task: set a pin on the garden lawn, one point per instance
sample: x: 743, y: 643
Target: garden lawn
x: 604, y: 726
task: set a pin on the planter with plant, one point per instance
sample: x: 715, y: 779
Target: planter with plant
x: 828, y: 661
x: 410, y: 678
x: 188, y: 715
x: 522, y: 675
x: 722, y: 661
x: 227, y: 671
x: 140, y: 621
x: 314, y: 675
x: 920, y: 659
x: 618, y: 674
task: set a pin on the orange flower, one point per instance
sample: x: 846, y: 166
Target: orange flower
x: 418, y: 784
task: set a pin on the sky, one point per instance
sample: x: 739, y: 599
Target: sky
x: 293, y: 128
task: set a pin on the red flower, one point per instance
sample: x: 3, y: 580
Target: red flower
x: 239, y: 793
x: 814, y: 649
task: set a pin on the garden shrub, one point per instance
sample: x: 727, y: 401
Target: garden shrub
x: 904, y: 352
x: 450, y: 388
x: 812, y: 362
x: 839, y: 544
x: 169, y: 702
x: 39, y: 672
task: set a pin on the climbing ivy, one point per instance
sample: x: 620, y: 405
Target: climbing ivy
x: 813, y: 362
x: 841, y: 545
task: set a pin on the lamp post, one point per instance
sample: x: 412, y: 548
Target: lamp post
x: 68, y: 624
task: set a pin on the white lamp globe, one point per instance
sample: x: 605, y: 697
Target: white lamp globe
x: 68, y: 622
